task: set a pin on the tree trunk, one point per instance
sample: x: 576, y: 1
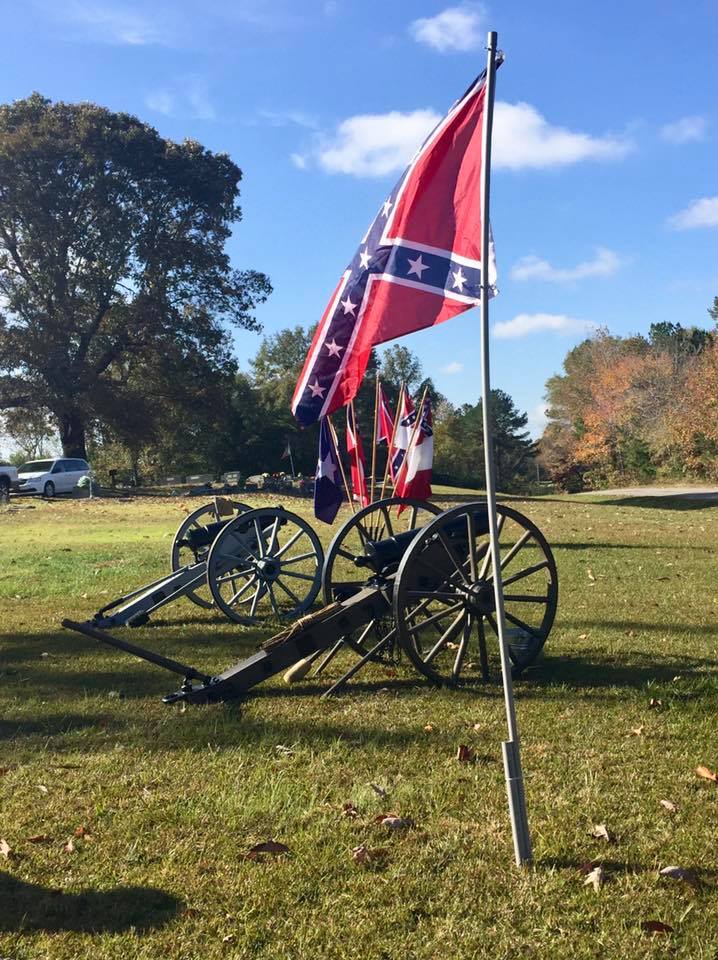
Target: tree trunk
x: 72, y: 434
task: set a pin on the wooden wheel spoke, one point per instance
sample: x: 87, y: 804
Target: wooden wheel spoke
x: 525, y: 573
x: 387, y: 521
x: 471, y: 532
x: 273, y: 600
x: 235, y: 597
x: 447, y: 611
x: 445, y: 638
x: 518, y: 622
x: 487, y: 557
x: 516, y: 547
x: 289, y: 593
x: 299, y: 558
x: 430, y: 595
x: 461, y: 651
x: 450, y: 553
x: 271, y: 547
x: 524, y: 598
x: 292, y: 540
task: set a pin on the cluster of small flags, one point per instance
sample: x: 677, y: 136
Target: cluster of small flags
x: 410, y: 454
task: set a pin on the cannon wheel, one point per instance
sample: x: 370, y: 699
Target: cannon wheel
x: 443, y: 596
x: 181, y: 554
x: 264, y: 563
x: 341, y: 576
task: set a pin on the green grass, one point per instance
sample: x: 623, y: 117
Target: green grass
x: 174, y: 799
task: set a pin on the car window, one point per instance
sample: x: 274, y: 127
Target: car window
x: 59, y: 467
x: 82, y: 465
x: 35, y: 466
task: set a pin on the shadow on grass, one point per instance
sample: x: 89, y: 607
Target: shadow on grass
x: 679, y: 501
x: 596, y: 672
x: 28, y: 907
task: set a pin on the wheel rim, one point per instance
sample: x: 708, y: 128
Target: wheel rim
x: 182, y: 554
x: 342, y: 577
x: 265, y: 564
x: 443, y: 598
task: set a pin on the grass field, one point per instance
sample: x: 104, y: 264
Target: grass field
x: 127, y: 823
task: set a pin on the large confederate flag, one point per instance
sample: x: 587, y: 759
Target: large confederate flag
x: 418, y: 264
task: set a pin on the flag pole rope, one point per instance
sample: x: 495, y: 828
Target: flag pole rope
x: 397, y: 414
x: 510, y: 747
x: 339, y: 460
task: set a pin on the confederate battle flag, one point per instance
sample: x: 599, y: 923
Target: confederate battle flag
x: 356, y: 459
x: 418, y: 264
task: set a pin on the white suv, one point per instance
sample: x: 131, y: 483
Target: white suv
x: 49, y: 477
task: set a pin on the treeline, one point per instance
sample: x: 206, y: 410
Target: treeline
x: 635, y: 409
x: 241, y: 420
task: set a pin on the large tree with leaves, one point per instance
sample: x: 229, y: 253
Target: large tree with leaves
x: 112, y: 253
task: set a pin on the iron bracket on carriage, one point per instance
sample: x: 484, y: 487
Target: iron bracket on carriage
x: 400, y: 579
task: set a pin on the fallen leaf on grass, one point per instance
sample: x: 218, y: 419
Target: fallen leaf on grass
x: 679, y: 873
x: 349, y: 811
x: 6, y: 850
x: 583, y: 636
x: 379, y: 791
x: 272, y: 847
x: 190, y: 912
x: 667, y: 805
x: 69, y: 847
x: 39, y: 838
x: 285, y: 751
x: 655, y: 704
x: 464, y: 753
x: 365, y: 856
x: 228, y: 939
x: 42, y: 788
x: 4, y: 770
x: 656, y: 926
x: 600, y: 832
x: 82, y: 832
x: 590, y: 574
x: 707, y: 774
x: 429, y: 727
x: 596, y: 878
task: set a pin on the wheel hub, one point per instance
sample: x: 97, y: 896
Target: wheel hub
x: 269, y: 568
x: 480, y: 596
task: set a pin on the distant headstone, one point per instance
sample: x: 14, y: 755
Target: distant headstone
x: 196, y: 478
x: 173, y: 480
x: 232, y: 477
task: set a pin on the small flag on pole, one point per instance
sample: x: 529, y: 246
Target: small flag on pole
x: 418, y: 264
x: 407, y: 419
x: 385, y: 421
x: 356, y: 459
x: 414, y: 479
x: 287, y: 451
x: 328, y: 493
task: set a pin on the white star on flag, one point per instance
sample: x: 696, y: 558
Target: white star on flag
x: 317, y: 391
x: 333, y: 348
x: 349, y: 307
x: 325, y: 468
x: 417, y: 266
x: 459, y: 280
x: 365, y: 257
x: 386, y: 208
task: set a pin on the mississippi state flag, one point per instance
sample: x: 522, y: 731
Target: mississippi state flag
x: 418, y: 264
x: 356, y: 459
x: 407, y: 419
x: 414, y: 479
x: 385, y: 421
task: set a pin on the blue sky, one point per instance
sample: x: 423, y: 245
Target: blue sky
x: 605, y: 184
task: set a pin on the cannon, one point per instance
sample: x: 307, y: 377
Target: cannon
x: 400, y: 577
x: 247, y: 563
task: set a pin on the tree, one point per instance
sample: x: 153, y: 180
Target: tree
x: 399, y: 365
x: 111, y: 254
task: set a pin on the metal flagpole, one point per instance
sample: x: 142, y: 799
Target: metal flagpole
x: 510, y: 747
x: 291, y: 458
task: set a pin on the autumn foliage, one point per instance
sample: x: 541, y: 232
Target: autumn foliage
x: 633, y: 409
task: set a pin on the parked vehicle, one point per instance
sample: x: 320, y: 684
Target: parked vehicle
x: 8, y: 481
x: 49, y: 477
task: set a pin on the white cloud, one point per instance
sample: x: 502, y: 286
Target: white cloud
x: 685, y: 130
x: 161, y: 101
x: 537, y: 420
x: 299, y: 160
x: 187, y: 96
x: 699, y: 213
x: 373, y: 145
x: 604, y: 263
x: 453, y: 367
x: 524, y: 324
x: 286, y: 118
x: 523, y: 139
x: 114, y: 23
x: 456, y: 28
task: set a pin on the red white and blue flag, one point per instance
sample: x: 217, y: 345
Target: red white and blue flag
x: 418, y: 264
x: 407, y: 419
x: 385, y: 421
x: 414, y: 479
x: 356, y: 460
